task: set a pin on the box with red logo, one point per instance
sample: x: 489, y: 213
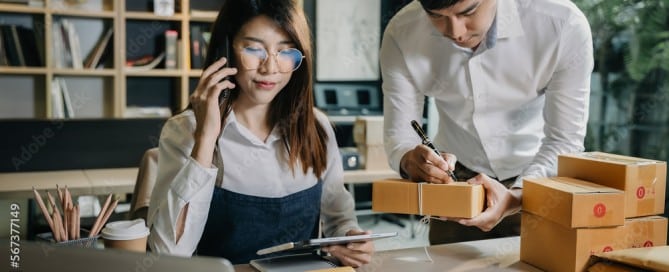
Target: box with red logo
x: 643, y: 180
x: 574, y: 203
x: 553, y: 247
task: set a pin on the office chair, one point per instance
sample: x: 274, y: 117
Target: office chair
x: 146, y: 179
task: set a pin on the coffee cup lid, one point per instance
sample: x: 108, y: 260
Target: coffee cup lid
x: 125, y: 230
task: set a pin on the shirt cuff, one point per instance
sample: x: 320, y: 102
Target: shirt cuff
x: 194, y: 177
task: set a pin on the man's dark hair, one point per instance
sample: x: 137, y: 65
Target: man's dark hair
x: 437, y: 4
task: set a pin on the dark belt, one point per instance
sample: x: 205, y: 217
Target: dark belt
x: 463, y: 173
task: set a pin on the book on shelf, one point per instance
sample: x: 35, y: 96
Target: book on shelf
x: 197, y: 47
x: 57, y: 108
x: 19, y: 46
x: 171, y: 49
x: 145, y: 63
x: 67, y: 50
x: 95, y: 58
x: 3, y: 52
x: 28, y: 40
x: 61, y: 103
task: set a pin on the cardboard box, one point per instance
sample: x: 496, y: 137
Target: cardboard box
x: 552, y: 247
x: 368, y: 130
x: 632, y: 259
x: 373, y: 157
x: 458, y: 199
x: 644, y: 181
x: 574, y: 203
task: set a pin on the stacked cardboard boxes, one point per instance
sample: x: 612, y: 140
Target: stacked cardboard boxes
x: 368, y: 138
x: 565, y: 220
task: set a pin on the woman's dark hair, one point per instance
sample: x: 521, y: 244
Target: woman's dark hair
x: 291, y: 110
x: 437, y: 4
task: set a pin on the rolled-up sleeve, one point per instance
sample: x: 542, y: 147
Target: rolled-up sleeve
x: 181, y: 180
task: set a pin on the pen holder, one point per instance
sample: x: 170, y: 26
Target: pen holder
x: 87, y: 242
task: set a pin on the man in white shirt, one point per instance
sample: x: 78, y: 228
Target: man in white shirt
x: 511, y: 84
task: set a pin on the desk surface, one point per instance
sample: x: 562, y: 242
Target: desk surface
x: 118, y: 181
x: 501, y: 254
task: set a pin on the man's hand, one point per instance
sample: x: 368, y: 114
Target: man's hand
x: 353, y: 254
x: 501, y: 202
x: 422, y: 164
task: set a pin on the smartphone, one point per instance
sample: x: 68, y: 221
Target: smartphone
x: 225, y: 53
x: 321, y: 242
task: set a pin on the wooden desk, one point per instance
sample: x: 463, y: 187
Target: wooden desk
x: 118, y: 180
x: 501, y: 254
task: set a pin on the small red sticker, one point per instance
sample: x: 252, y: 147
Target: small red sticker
x: 607, y: 249
x: 648, y: 244
x: 599, y: 210
x: 640, y: 192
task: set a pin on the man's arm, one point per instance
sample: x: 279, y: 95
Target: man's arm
x: 401, y: 102
x: 567, y: 99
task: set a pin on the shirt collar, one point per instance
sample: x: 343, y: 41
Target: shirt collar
x: 507, y: 21
x: 505, y: 25
x: 232, y: 122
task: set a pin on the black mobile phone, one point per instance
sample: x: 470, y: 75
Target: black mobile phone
x: 226, y: 53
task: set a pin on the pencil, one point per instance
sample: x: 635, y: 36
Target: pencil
x: 61, y: 196
x: 100, y: 216
x: 56, y: 213
x: 77, y: 213
x: 108, y: 213
x: 42, y: 207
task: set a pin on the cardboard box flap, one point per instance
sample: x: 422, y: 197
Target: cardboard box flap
x: 580, y: 186
x: 613, y: 158
x: 575, y: 186
x: 648, y: 258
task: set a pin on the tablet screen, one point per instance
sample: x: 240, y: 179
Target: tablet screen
x: 321, y: 242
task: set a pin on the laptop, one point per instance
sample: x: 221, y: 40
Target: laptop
x: 36, y: 256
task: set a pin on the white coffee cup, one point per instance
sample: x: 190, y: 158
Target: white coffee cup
x: 127, y: 235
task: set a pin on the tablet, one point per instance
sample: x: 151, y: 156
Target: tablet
x: 321, y: 242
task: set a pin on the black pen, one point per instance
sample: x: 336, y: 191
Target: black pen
x: 428, y: 143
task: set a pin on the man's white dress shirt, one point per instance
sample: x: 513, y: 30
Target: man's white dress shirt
x: 508, y: 108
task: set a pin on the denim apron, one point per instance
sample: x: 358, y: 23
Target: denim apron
x: 238, y: 225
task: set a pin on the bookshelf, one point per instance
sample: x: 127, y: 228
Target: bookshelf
x: 105, y: 92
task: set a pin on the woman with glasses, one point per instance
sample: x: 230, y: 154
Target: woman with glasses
x: 251, y: 164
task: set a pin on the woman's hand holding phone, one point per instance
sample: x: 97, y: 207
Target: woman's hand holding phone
x: 205, y: 103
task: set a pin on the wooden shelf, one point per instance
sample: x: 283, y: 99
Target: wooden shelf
x: 84, y: 13
x: 21, y: 9
x: 94, y: 18
x: 195, y: 73
x: 84, y: 72
x: 150, y: 16
x: 201, y: 18
x: 154, y: 73
x: 13, y: 70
